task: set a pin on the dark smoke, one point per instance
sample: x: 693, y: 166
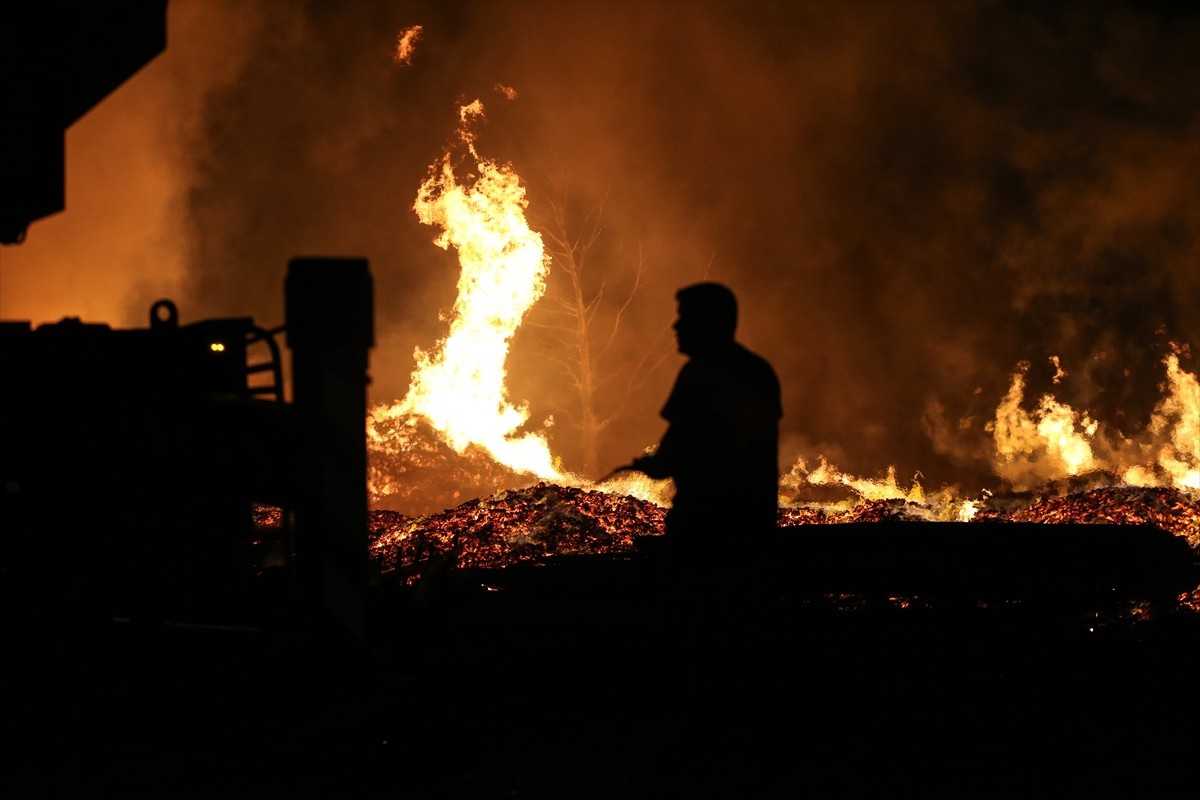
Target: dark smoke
x: 910, y: 199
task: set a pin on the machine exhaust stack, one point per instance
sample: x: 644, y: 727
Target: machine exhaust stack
x: 330, y: 330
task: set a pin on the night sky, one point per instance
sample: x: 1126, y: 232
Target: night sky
x: 910, y: 198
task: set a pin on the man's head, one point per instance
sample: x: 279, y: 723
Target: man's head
x: 707, y: 317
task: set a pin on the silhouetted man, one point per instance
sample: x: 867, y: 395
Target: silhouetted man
x: 721, y: 445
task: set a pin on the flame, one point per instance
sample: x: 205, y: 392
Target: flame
x: 639, y: 486
x: 1059, y: 372
x: 459, y: 386
x: 406, y: 44
x: 1049, y: 443
x: 1175, y: 425
x: 885, y: 489
x: 1054, y: 441
x: 1034, y: 449
x: 943, y: 504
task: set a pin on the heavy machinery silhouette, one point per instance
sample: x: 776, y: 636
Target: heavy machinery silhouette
x: 133, y: 461
x: 57, y: 61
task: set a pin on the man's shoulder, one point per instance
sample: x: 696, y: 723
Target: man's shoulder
x: 736, y: 362
x: 754, y: 360
x: 746, y: 352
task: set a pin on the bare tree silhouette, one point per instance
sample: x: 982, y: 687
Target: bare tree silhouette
x: 582, y: 321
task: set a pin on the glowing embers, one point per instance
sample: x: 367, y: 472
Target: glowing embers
x: 514, y: 527
x: 545, y: 520
x: 1190, y: 600
x: 1177, y: 512
x: 866, y: 511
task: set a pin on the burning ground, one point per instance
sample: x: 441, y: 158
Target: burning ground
x: 544, y: 521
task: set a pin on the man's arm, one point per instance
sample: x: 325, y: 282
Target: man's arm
x: 661, y: 463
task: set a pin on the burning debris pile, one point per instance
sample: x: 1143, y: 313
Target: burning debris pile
x: 413, y: 468
x: 890, y: 510
x: 1175, y: 511
x: 546, y: 520
x: 512, y: 527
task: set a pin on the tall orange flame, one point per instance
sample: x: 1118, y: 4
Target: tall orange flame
x: 1175, y: 429
x: 458, y: 387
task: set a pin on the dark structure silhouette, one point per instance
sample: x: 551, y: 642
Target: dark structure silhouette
x: 721, y: 446
x: 133, y: 461
x: 59, y: 59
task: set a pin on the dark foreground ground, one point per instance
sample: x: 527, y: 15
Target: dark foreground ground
x: 610, y: 688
